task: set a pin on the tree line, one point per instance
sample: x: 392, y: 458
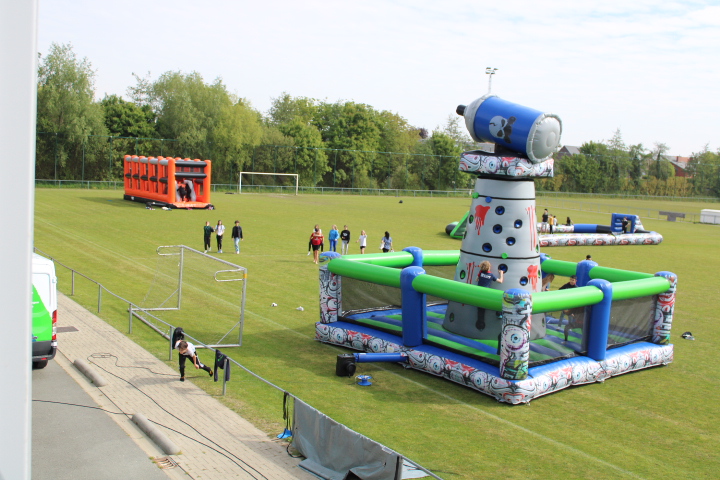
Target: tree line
x: 341, y: 144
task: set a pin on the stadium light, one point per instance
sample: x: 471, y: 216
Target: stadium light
x: 490, y: 71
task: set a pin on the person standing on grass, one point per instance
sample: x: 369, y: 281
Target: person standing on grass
x: 316, y: 229
x: 219, y: 232
x: 207, y: 232
x: 386, y: 243
x: 187, y: 350
x: 237, y: 236
x: 333, y: 237
x: 316, y: 240
x: 345, y: 238
x: 362, y: 240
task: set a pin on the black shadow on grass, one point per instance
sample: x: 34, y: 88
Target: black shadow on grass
x: 114, y: 202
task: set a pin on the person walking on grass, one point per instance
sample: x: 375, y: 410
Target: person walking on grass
x: 237, y: 236
x: 333, y: 237
x: 386, y: 243
x: 207, y: 232
x: 219, y: 232
x: 187, y: 350
x: 345, y: 238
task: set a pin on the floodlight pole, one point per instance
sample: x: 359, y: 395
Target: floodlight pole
x: 490, y: 71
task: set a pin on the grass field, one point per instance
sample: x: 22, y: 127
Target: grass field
x: 660, y: 423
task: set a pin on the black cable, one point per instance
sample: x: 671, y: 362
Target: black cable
x: 78, y: 405
x: 109, y: 355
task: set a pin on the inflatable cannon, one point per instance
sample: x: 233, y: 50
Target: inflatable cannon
x: 501, y: 223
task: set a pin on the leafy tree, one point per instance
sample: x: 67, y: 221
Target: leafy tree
x: 704, y: 171
x: 352, y: 129
x: 238, y: 130
x: 205, y: 120
x: 638, y: 163
x: 661, y: 168
x: 66, y: 108
x: 127, y: 119
x: 286, y: 108
x: 309, y: 158
x: 445, y: 161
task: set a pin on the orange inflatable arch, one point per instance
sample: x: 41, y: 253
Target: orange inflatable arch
x: 168, y: 182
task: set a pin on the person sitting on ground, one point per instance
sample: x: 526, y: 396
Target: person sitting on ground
x: 187, y: 350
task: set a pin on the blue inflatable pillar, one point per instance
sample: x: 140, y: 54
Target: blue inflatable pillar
x: 417, y: 254
x: 414, y: 324
x: 598, y: 322
x: 515, y: 334
x: 583, y: 272
x: 664, y: 309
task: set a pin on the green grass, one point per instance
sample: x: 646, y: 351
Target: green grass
x: 657, y: 423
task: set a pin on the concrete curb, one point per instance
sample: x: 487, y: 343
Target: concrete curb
x: 90, y: 373
x: 162, y: 441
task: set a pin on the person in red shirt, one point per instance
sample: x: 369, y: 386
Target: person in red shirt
x: 316, y: 240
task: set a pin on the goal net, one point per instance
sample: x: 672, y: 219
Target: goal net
x: 203, y: 294
x: 281, y: 183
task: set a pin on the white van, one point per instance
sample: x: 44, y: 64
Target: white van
x: 44, y: 311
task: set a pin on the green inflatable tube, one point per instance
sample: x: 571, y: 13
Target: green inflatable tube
x: 639, y: 288
x: 390, y: 259
x: 564, y: 299
x: 440, y: 258
x: 459, y: 292
x: 559, y: 267
x: 367, y: 272
x: 614, y: 275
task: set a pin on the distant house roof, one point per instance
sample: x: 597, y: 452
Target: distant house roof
x: 568, y: 150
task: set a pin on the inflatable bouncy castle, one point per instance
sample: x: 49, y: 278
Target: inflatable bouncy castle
x: 515, y: 340
x: 168, y: 182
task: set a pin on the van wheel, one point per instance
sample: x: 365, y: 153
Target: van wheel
x: 40, y: 364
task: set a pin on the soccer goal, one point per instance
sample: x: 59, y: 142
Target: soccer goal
x: 201, y: 293
x: 280, y: 189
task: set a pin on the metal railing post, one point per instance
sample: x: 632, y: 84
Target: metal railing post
x: 130, y: 315
x: 180, y: 276
x: 72, y: 282
x: 171, y: 333
x: 99, y: 297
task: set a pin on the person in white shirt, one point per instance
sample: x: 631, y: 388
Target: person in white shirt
x: 187, y: 350
x: 362, y: 240
x: 219, y: 232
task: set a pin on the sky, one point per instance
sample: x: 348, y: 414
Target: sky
x: 646, y: 68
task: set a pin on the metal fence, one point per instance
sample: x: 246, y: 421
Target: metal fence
x: 168, y: 335
x: 585, y: 206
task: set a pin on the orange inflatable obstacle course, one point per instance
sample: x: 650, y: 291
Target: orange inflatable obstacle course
x: 168, y: 182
